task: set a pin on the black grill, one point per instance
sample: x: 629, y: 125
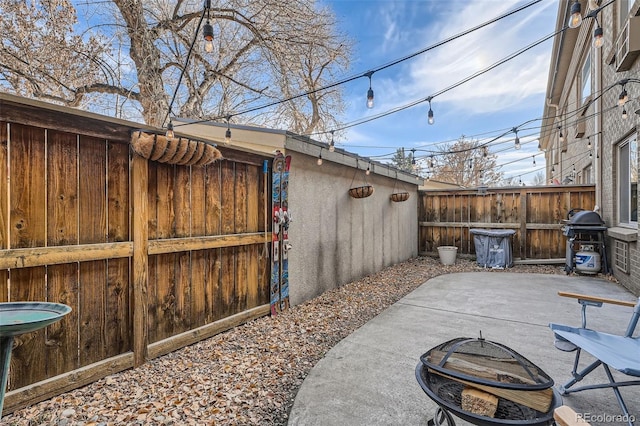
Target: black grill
x: 584, y: 227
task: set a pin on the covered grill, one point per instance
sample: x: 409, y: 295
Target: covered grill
x: 586, y: 232
x: 486, y: 383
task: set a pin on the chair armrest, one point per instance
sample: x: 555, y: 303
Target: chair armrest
x: 565, y: 416
x: 597, y: 299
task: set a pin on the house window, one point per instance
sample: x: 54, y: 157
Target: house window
x: 586, y: 79
x: 586, y: 175
x: 624, y: 8
x: 628, y: 182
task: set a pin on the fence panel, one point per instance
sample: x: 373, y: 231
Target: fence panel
x: 70, y: 202
x: 535, y: 213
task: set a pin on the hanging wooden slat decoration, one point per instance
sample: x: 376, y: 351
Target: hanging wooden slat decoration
x: 180, y: 151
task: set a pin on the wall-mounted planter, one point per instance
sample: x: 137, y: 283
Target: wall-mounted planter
x: 361, y: 191
x: 398, y: 197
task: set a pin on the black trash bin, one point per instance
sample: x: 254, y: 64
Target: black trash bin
x: 493, y: 247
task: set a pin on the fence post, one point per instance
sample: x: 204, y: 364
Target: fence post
x: 140, y: 266
x: 523, y: 224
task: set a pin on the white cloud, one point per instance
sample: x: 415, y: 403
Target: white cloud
x: 506, y: 86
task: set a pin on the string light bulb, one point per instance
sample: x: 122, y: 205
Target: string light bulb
x: 320, y: 157
x: 370, y: 91
x: 623, y: 98
x: 170, y: 133
x: 517, y: 140
x: 561, y: 135
x: 624, y: 113
x: 207, y: 32
x: 332, y: 144
x: 534, y: 160
x: 598, y: 37
x: 431, y: 120
x: 227, y: 134
x: 576, y: 15
x: 588, y: 143
x: 368, y: 171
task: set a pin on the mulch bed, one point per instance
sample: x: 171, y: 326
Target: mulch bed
x: 248, y: 375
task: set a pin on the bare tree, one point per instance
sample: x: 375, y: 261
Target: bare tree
x: 465, y: 162
x: 539, y: 179
x: 263, y: 51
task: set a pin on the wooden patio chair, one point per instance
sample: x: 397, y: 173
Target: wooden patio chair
x: 620, y: 352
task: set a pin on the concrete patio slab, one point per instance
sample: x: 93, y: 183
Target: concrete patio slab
x: 369, y: 377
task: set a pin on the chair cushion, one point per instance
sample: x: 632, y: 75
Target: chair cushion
x: 619, y: 352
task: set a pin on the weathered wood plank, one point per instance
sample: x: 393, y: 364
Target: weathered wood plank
x: 182, y: 265
x: 183, y: 283
x: 213, y: 179
x: 198, y: 258
x: 4, y: 213
x: 28, y: 198
x: 175, y: 245
x: 62, y: 189
x: 140, y: 222
x: 41, y: 115
x: 253, y: 209
x: 182, y: 202
x: 228, y: 280
x: 92, y: 311
x: 192, y: 336
x: 141, y: 279
x: 40, y: 256
x: 118, y: 320
x: 118, y: 192
x: 165, y: 282
x: 92, y: 193
x: 164, y: 287
x: 228, y: 198
x: 28, y: 359
x: 241, y: 215
x: 33, y: 393
x: 213, y: 285
x: 62, y: 336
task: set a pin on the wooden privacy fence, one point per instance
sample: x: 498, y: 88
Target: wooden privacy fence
x: 150, y: 256
x: 535, y: 213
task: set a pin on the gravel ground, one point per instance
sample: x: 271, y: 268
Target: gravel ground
x: 248, y: 375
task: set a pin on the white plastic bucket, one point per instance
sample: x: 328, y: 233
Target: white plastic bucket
x: 447, y: 254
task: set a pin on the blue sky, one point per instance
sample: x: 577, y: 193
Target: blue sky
x: 513, y: 93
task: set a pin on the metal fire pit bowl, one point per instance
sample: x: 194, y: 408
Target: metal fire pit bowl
x: 447, y: 369
x: 447, y: 394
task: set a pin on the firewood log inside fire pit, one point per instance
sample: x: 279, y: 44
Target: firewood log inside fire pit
x: 478, y: 402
